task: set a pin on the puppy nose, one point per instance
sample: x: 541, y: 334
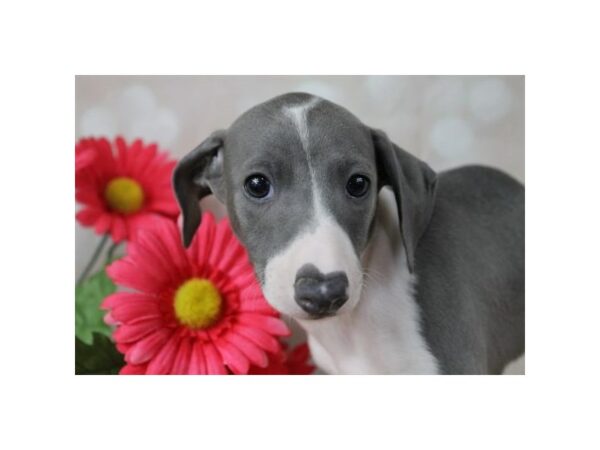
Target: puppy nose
x: 320, y: 294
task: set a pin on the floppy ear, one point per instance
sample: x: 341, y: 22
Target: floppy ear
x: 413, y: 183
x: 197, y: 175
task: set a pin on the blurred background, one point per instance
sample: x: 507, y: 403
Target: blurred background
x: 447, y: 121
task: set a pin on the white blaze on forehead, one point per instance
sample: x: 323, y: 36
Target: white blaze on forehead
x: 298, y: 115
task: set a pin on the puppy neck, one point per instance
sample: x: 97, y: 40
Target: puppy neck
x: 382, y: 333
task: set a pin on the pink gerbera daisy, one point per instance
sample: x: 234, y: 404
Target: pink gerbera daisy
x: 122, y: 187
x: 195, y: 311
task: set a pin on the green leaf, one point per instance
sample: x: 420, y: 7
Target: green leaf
x: 100, y: 358
x: 89, y: 318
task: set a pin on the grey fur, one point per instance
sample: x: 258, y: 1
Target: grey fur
x: 471, y: 271
x: 463, y: 231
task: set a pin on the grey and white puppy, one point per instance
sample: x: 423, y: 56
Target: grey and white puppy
x: 390, y: 267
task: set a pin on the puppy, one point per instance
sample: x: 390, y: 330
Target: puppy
x: 388, y: 266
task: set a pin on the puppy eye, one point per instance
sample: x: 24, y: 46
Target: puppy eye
x: 358, y: 185
x: 257, y: 186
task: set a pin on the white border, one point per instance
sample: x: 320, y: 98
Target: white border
x: 46, y: 43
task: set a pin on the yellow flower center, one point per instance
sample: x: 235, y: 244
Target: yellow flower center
x: 197, y: 303
x: 124, y: 195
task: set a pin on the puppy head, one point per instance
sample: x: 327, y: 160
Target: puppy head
x: 300, y: 177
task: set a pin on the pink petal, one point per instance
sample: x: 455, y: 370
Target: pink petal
x: 197, y: 360
x: 182, y: 359
x: 153, y: 257
x: 255, y: 354
x: 297, y: 360
x: 202, y: 241
x: 146, y: 348
x: 143, y: 157
x: 170, y: 238
x: 105, y: 156
x: 146, y: 158
x: 242, y: 275
x: 88, y: 216
x: 89, y: 195
x: 121, y: 154
x: 223, y: 236
x: 137, y: 223
x: 118, y: 298
x: 259, y: 337
x: 252, y: 300
x: 231, y: 255
x: 161, y: 168
x: 84, y: 157
x: 110, y: 320
x: 132, y: 369
x: 245, y: 278
x: 135, y: 311
x: 126, y: 273
x: 123, y: 347
x: 103, y: 223
x: 233, y: 358
x: 118, y: 229
x: 300, y: 353
x: 167, y: 207
x: 214, y: 361
x: 162, y: 362
x: 269, y: 324
x: 151, y: 266
x: 131, y: 333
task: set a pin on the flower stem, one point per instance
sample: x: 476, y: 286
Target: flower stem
x: 111, y: 251
x: 93, y: 260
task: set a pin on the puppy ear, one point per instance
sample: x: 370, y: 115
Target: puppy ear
x: 414, y: 185
x: 197, y: 175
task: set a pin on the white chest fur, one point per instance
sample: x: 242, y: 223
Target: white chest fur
x: 381, y: 335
